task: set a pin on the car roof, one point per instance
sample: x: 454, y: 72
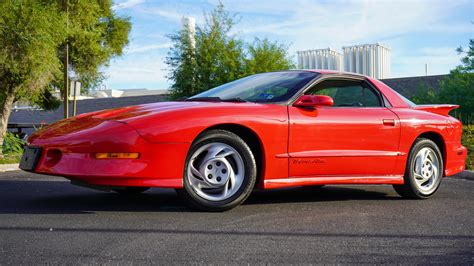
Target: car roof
x: 392, y: 96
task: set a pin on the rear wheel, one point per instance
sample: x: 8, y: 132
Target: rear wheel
x: 220, y: 172
x: 424, y: 171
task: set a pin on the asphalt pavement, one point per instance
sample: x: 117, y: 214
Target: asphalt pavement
x: 46, y: 220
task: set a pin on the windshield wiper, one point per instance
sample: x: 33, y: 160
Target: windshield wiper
x: 236, y: 99
x: 215, y: 99
x: 203, y: 99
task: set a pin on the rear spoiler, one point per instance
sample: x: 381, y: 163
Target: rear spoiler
x: 441, y: 109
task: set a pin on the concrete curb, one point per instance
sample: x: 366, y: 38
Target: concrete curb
x: 9, y: 167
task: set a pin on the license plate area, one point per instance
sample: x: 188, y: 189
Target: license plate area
x: 30, y: 158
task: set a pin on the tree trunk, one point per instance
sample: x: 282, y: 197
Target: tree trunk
x: 5, y: 110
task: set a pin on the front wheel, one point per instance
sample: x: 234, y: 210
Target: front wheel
x: 423, y: 172
x: 220, y: 172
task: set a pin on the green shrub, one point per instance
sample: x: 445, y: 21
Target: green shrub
x: 468, y: 142
x: 10, y: 158
x: 12, y: 144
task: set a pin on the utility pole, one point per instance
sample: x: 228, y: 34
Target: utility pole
x: 66, y: 64
x: 76, y: 87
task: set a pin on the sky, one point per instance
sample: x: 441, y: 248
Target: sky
x: 417, y: 32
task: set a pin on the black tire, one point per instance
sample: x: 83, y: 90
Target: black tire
x: 189, y: 194
x: 129, y: 191
x: 410, y: 189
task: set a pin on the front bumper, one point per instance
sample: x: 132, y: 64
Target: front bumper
x: 72, y: 156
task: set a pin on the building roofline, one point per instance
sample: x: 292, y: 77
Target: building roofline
x: 422, y: 76
x: 322, y: 49
x: 367, y: 44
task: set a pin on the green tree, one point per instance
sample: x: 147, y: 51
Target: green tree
x: 265, y: 56
x: 206, y: 59
x: 458, y: 87
x: 33, y: 35
x: 182, y: 62
x: 468, y: 59
x: 95, y: 35
x: 218, y: 57
x: 425, y: 95
x: 30, y: 33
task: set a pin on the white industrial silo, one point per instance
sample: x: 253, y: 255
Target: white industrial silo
x: 368, y: 59
x: 320, y: 59
x: 189, y: 25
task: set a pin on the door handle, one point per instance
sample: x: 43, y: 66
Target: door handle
x: 389, y: 122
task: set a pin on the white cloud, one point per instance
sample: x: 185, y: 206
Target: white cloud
x: 168, y: 14
x: 346, y: 21
x: 147, y: 70
x: 127, y: 4
x: 173, y: 13
x: 437, y: 58
x: 308, y: 24
x: 437, y: 51
x: 146, y: 48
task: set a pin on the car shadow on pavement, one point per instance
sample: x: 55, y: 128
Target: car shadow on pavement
x: 52, y: 197
x: 318, y: 194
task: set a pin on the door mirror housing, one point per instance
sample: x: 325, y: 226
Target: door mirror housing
x: 313, y: 101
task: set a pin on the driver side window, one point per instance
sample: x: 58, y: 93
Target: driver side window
x: 347, y: 93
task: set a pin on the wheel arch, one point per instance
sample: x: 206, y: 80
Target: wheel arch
x: 438, y: 140
x: 251, y: 138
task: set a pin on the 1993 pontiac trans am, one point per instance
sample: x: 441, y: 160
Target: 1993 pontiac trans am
x: 270, y: 130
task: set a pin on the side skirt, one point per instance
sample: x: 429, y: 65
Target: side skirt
x: 332, y: 180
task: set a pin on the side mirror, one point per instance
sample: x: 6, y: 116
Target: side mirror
x: 313, y: 101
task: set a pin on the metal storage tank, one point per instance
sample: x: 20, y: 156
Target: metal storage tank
x: 189, y: 25
x: 320, y: 59
x: 368, y: 59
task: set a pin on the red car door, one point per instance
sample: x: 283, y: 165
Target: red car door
x: 358, y: 136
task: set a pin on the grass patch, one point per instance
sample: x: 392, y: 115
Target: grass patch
x: 468, y: 142
x: 12, y: 148
x: 10, y: 158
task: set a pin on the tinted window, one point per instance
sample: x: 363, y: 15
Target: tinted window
x: 347, y: 93
x: 265, y: 87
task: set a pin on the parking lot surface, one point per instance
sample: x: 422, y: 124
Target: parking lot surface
x: 48, y: 220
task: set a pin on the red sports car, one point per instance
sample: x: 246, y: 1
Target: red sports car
x: 270, y: 130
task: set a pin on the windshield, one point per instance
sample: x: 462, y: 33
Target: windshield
x: 266, y: 87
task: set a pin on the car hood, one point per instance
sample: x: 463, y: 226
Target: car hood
x: 138, y: 116
x: 129, y: 113
x: 126, y: 113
